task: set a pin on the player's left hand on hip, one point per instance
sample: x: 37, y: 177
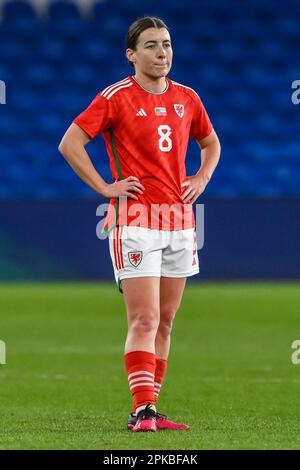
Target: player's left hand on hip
x: 195, y: 186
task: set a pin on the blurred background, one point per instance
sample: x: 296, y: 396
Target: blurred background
x: 241, y: 58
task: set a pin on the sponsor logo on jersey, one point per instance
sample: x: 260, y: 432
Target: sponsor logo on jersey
x: 179, y: 109
x: 135, y: 258
x: 141, y: 112
x: 160, y: 111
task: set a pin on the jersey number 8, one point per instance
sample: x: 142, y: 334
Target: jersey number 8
x: 164, y: 143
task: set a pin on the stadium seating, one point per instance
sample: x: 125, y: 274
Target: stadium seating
x: 241, y: 57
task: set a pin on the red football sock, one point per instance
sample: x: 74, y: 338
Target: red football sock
x: 160, y: 372
x: 140, y: 368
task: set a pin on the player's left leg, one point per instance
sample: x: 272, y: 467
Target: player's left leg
x: 179, y: 261
x: 171, y: 292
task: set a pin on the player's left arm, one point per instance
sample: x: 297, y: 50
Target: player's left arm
x: 210, y: 155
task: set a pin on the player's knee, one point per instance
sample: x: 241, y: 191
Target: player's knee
x: 166, y: 324
x: 145, y: 322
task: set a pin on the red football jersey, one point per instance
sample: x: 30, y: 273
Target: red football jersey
x: 146, y: 136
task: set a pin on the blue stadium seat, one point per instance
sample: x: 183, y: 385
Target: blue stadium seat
x: 53, y: 48
x: 63, y: 10
x: 13, y: 11
x: 39, y: 72
x: 97, y: 50
x: 130, y: 10
x: 12, y: 50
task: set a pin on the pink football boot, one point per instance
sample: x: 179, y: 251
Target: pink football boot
x: 145, y: 420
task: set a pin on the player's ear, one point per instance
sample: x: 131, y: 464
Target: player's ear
x: 130, y: 54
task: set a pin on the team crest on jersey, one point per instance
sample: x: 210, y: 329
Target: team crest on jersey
x: 135, y: 258
x: 179, y: 108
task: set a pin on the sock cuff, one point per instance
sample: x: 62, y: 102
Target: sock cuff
x: 134, y: 357
x: 161, y: 365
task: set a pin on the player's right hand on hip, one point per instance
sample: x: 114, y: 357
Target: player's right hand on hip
x: 126, y: 187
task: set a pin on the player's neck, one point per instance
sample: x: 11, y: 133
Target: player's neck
x: 152, y: 85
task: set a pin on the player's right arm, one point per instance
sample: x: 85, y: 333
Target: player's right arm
x: 72, y: 147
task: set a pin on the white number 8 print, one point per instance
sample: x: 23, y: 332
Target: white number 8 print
x: 164, y: 143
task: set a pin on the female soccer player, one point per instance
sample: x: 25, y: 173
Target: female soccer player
x: 146, y: 121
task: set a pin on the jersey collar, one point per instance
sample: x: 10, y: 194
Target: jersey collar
x: 151, y: 92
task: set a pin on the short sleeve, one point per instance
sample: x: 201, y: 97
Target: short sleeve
x: 201, y: 126
x: 97, y: 117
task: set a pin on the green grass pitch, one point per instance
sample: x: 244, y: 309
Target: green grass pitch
x: 230, y: 373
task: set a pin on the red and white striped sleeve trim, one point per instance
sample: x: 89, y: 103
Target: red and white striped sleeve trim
x: 109, y: 91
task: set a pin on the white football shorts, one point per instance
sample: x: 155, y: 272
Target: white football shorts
x: 143, y: 252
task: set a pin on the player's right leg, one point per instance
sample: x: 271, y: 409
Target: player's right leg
x: 141, y: 297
